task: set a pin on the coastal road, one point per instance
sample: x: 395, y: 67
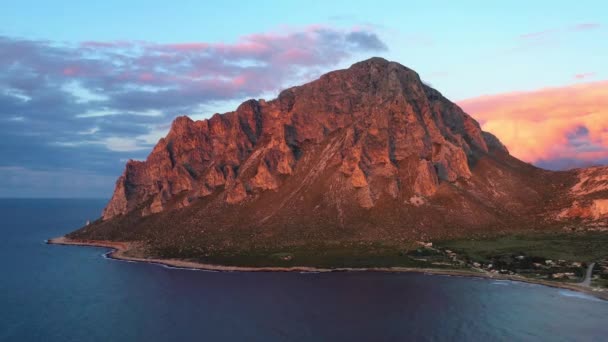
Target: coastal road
x: 587, y: 281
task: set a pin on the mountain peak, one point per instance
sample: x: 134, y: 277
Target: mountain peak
x: 377, y: 62
x: 372, y: 69
x: 374, y: 64
x: 367, y: 153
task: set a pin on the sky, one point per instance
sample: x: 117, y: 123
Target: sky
x: 85, y: 87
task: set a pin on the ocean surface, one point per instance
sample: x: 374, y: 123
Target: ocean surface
x: 67, y: 293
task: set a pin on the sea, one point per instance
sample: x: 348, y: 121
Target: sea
x: 69, y: 293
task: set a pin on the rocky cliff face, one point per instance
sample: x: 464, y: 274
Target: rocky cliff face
x: 589, y: 196
x: 398, y: 137
x: 369, y: 153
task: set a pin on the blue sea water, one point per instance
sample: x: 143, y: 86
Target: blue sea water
x: 67, y: 293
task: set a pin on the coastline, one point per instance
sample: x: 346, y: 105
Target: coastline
x: 119, y: 251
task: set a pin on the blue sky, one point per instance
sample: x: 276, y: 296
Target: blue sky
x: 431, y: 37
x: 479, y: 40
x: 69, y: 125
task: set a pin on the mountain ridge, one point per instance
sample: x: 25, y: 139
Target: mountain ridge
x: 249, y: 111
x: 367, y: 153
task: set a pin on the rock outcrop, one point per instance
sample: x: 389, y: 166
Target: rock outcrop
x: 589, y: 195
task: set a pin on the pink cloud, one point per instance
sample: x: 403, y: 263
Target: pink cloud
x: 105, y: 44
x: 555, y: 123
x: 584, y: 75
x: 70, y: 71
x: 82, y: 98
x: 129, y: 73
x: 239, y: 80
x: 555, y: 31
x: 146, y: 77
x: 135, y: 75
x: 539, y: 34
x: 186, y: 47
x: 139, y: 77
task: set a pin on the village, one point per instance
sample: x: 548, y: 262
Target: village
x: 514, y: 264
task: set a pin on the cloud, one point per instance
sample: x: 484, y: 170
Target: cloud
x: 555, y: 31
x: 128, y: 75
x: 135, y: 75
x: 584, y: 75
x: 366, y: 41
x: 536, y: 35
x: 553, y: 127
x: 87, y: 105
x: 585, y: 27
x: 21, y: 182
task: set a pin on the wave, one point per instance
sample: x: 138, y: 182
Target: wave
x: 579, y: 295
x: 183, y: 268
x: 108, y: 256
x: 502, y: 282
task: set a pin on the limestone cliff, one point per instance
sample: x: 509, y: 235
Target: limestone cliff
x: 397, y: 136
x: 369, y: 153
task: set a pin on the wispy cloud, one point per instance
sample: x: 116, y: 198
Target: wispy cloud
x: 538, y: 34
x: 584, y: 75
x: 585, y: 26
x: 556, y: 31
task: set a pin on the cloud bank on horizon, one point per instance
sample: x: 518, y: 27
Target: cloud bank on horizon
x: 71, y: 114
x: 556, y: 128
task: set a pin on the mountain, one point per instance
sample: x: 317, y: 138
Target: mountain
x: 369, y: 154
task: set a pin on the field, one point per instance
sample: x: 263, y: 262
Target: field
x: 581, y: 247
x: 552, y: 256
x: 327, y: 256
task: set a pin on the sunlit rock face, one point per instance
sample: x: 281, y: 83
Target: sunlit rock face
x: 368, y: 154
x: 395, y: 136
x: 589, y: 195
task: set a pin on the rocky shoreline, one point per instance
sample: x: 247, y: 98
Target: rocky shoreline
x: 120, y: 251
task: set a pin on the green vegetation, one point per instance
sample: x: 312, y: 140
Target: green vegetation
x: 552, y: 256
x: 600, y: 274
x: 600, y: 283
x: 329, y: 256
x: 582, y: 247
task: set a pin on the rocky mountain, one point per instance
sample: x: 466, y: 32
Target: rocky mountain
x: 369, y: 153
x: 589, y: 197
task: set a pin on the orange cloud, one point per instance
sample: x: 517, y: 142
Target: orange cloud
x: 549, y: 124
